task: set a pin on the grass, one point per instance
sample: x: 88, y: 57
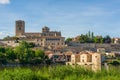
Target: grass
x: 58, y: 73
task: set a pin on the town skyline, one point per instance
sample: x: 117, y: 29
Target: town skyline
x: 72, y: 17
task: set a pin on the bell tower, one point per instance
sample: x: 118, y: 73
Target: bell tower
x: 20, y: 28
x: 45, y: 29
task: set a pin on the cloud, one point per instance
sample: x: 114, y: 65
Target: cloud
x: 0, y: 33
x: 5, y: 33
x: 4, y: 1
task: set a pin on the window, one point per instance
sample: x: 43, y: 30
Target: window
x: 19, y: 28
x: 83, y: 60
x: 68, y: 59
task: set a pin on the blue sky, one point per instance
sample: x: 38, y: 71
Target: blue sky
x: 71, y: 17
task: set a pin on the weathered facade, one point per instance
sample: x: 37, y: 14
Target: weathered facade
x: 45, y: 39
x: 87, y: 59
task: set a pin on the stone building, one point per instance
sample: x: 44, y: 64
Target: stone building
x: 87, y: 59
x: 46, y: 38
x: 116, y: 40
x: 20, y: 28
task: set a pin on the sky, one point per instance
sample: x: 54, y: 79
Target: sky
x: 71, y: 17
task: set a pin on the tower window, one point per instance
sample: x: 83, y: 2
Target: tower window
x: 83, y: 60
x: 19, y: 28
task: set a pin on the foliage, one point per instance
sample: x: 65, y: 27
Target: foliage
x: 86, y: 38
x: 68, y: 39
x: 59, y: 73
x: 31, y: 45
x: 10, y: 54
x: 6, y: 38
x: 22, y: 54
x: 107, y: 39
x: 115, y: 63
x: 90, y: 38
x: 2, y: 49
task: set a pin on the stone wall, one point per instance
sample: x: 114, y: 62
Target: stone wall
x: 88, y: 46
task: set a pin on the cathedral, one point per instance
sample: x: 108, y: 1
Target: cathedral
x: 46, y: 38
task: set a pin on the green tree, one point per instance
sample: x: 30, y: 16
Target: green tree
x: 97, y: 39
x: 11, y: 56
x: 92, y: 35
x: 107, y: 39
x: 101, y: 40
x: 83, y: 38
x: 68, y: 39
x: 3, y: 58
x: 6, y: 38
x: 115, y: 63
x: 41, y: 56
x: 23, y: 53
x: 31, y: 45
x: 2, y: 49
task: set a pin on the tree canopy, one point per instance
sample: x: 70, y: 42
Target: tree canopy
x: 22, y: 54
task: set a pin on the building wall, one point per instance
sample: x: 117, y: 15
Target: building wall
x: 96, y: 60
x: 83, y: 58
x: 51, y: 41
x: 20, y: 28
x: 90, y: 59
x: 73, y: 59
x: 45, y: 39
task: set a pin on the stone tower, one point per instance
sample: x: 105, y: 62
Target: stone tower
x: 20, y: 28
x: 45, y: 29
x: 96, y: 60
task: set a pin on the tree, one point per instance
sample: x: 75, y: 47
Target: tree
x: 101, y: 40
x: 24, y: 44
x: 6, y: 38
x: 3, y: 58
x: 2, y: 49
x: 31, y: 45
x: 28, y: 55
x: 11, y: 56
x: 68, y: 39
x: 41, y: 55
x: 92, y: 35
x: 96, y: 40
x: 107, y: 39
x: 23, y: 52
x: 115, y: 63
x: 85, y: 39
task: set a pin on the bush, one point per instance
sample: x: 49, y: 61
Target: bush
x: 59, y: 73
x: 115, y: 63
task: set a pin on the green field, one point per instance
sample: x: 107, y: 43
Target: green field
x: 58, y: 73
